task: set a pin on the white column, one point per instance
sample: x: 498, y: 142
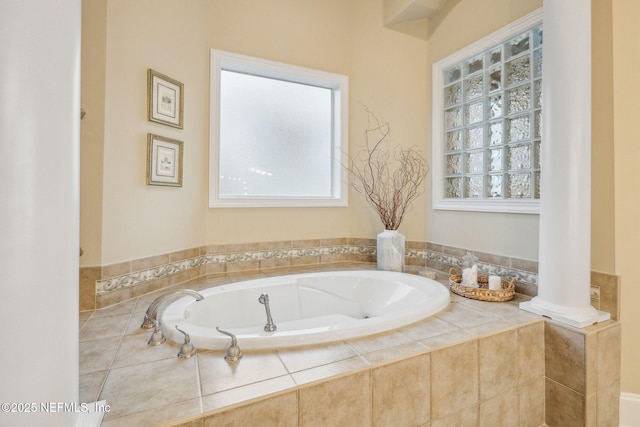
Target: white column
x: 39, y: 203
x: 565, y: 207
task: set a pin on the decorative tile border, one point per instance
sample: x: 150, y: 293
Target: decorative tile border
x: 103, y: 286
x: 523, y: 277
x: 135, y: 278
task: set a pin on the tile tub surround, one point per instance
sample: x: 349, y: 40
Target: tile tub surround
x: 490, y: 356
x: 110, y: 284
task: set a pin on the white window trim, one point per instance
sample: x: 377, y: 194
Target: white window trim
x: 528, y: 206
x: 261, y: 67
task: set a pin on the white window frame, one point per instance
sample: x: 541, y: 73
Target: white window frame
x: 527, y: 206
x: 339, y: 84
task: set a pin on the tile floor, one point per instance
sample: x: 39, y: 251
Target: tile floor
x: 147, y: 385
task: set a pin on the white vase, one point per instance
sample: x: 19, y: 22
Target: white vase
x: 390, y: 251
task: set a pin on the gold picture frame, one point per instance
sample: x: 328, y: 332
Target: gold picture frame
x: 164, y: 161
x: 165, y: 98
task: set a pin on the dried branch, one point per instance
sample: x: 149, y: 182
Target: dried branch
x: 388, y: 180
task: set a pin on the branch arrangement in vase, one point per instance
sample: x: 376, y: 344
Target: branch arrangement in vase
x: 389, y: 179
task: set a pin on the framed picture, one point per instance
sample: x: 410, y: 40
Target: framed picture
x: 164, y: 161
x: 165, y: 99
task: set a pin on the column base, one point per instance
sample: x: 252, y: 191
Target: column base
x: 569, y: 316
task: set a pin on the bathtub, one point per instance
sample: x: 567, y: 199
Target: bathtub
x: 307, y: 309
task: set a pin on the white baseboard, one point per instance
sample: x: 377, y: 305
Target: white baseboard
x: 629, y: 410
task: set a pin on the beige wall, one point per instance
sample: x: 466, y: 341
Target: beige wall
x: 626, y: 90
x: 123, y: 218
x: 385, y: 69
x: 94, y: 45
x: 602, y: 163
x: 311, y: 34
x: 461, y: 23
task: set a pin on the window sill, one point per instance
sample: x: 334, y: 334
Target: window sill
x: 497, y: 205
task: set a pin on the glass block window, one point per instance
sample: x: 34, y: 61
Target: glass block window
x: 487, y: 126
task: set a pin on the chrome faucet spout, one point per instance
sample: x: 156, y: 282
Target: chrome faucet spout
x: 154, y: 307
x: 270, y: 326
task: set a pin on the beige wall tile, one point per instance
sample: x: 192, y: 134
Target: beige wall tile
x: 305, y: 260
x: 609, y: 292
x: 501, y: 410
x: 150, y: 262
x: 435, y: 247
x: 344, y: 401
x: 467, y: 417
x: 609, y: 356
x: 301, y: 244
x: 493, y: 259
x: 243, y: 266
x: 215, y: 249
x: 497, y: 372
x: 272, y: 246
x: 275, y: 263
x: 565, y: 356
x: 525, y: 265
x: 114, y: 270
x: 564, y: 407
x: 362, y: 258
x: 183, y: 276
x: 418, y: 262
x: 337, y: 241
x: 87, y: 281
x: 184, y: 254
x: 150, y: 286
x: 215, y: 268
x: 280, y: 411
x: 401, y: 392
x: 333, y: 258
x: 450, y: 250
x: 242, y: 247
x: 531, y: 350
x: 591, y: 371
x: 454, y: 379
x: 531, y: 403
x: 608, y: 406
x: 590, y: 411
x: 416, y: 245
x: 160, y: 416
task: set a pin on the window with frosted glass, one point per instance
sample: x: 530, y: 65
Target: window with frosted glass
x: 275, y: 138
x: 276, y: 134
x: 492, y: 105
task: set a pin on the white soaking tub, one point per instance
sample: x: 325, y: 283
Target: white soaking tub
x: 307, y: 309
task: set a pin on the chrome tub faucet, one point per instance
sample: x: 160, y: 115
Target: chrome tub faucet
x: 152, y: 311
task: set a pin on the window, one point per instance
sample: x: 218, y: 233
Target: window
x: 487, y: 109
x: 277, y: 134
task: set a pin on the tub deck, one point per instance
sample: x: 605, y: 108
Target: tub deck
x: 150, y: 386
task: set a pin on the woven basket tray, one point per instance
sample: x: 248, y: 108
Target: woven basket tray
x: 483, y: 292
